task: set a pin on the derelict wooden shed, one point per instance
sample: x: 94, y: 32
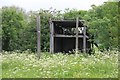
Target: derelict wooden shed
x: 68, y: 35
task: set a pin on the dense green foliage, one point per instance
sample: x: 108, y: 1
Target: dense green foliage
x: 103, y: 24
x: 26, y: 65
x: 19, y: 27
x: 13, y: 23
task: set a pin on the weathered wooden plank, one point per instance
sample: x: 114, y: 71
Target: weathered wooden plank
x: 51, y: 37
x: 38, y: 36
x: 68, y: 20
x: 84, y: 39
x: 59, y: 35
x: 77, y: 24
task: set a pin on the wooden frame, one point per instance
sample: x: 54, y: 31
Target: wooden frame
x: 76, y: 36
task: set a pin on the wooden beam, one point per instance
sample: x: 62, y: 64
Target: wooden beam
x: 38, y: 36
x: 59, y: 35
x: 68, y: 20
x: 77, y: 24
x: 84, y: 39
x: 51, y: 37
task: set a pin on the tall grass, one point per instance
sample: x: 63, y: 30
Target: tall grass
x: 0, y: 65
x: 26, y: 65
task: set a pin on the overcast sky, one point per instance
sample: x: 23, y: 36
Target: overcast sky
x: 55, y: 4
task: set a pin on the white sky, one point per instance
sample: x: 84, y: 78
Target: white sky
x: 55, y: 4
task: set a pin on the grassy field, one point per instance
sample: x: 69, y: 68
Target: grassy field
x: 26, y: 65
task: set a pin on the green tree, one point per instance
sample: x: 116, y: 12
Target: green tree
x: 12, y: 23
x: 102, y: 22
x: 73, y: 13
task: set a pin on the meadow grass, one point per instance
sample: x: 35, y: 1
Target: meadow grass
x: 0, y: 66
x: 26, y: 65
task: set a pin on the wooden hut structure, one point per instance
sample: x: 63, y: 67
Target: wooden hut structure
x: 69, y: 35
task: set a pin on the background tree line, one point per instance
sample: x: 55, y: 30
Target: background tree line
x: 19, y: 27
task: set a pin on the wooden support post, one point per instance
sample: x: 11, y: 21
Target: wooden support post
x: 50, y: 23
x: 77, y: 24
x: 84, y: 39
x: 51, y: 37
x: 38, y: 36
